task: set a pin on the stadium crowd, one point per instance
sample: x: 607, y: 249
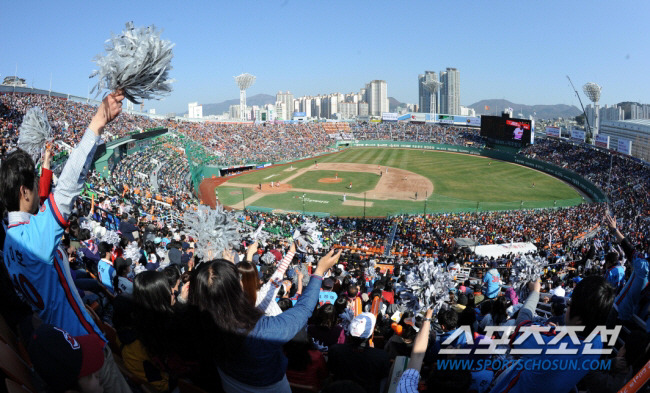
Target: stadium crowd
x: 112, y: 283
x: 430, y: 133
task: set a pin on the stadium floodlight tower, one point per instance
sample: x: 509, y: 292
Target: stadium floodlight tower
x: 432, y: 86
x: 244, y: 81
x: 592, y: 91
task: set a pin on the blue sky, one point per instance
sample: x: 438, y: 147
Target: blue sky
x: 517, y: 50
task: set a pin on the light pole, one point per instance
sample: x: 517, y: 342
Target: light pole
x: 426, y: 195
x: 364, y: 205
x: 592, y: 91
x: 244, y: 81
x: 243, y: 201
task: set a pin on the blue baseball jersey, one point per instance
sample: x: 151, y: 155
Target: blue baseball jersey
x: 615, y: 276
x: 325, y: 297
x: 41, y: 272
x: 492, y: 281
x: 106, y: 273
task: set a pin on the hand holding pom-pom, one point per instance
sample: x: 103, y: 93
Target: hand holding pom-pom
x: 137, y: 61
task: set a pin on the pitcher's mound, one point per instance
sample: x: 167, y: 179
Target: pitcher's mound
x: 330, y: 180
x: 266, y: 188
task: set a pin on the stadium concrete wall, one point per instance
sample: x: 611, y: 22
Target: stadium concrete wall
x: 595, y: 193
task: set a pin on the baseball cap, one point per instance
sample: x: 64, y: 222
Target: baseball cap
x: 363, y: 325
x: 119, y: 261
x: 328, y: 283
x: 61, y: 359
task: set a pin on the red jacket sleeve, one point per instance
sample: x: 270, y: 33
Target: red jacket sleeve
x: 45, y: 185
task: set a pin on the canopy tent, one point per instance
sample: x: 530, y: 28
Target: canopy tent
x: 498, y: 250
x: 464, y: 242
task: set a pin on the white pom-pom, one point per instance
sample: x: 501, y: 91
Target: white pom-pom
x: 308, y: 236
x: 111, y: 237
x: 213, y: 230
x: 524, y: 270
x: 34, y: 133
x: 132, y: 251
x: 138, y: 62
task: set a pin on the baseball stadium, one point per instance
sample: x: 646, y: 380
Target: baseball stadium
x: 267, y: 250
x: 379, y: 182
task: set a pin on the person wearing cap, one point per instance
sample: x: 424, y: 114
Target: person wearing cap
x: 327, y: 296
x: 492, y: 282
x: 478, y: 294
x: 67, y: 363
x: 356, y: 360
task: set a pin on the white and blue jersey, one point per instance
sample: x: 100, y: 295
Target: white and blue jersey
x: 615, y: 276
x: 106, y: 273
x: 492, y: 281
x: 40, y: 271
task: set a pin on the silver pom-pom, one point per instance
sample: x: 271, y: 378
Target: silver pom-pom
x: 34, y: 133
x: 259, y: 236
x: 213, y: 230
x: 138, y: 62
x: 132, y: 251
x: 524, y: 270
x: 111, y: 237
x: 268, y: 258
x: 308, y: 236
x: 431, y: 284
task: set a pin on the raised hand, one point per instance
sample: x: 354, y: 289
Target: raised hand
x: 330, y: 259
x: 109, y: 109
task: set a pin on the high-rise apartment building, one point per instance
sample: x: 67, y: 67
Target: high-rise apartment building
x: 377, y: 97
x: 287, y: 104
x: 194, y: 110
x: 427, y: 103
x: 450, y: 92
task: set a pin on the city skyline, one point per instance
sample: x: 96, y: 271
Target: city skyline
x: 367, y: 41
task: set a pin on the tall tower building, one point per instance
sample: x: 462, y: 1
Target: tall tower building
x: 450, y: 92
x: 377, y: 97
x: 427, y: 103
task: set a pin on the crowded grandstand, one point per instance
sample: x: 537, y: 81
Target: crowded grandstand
x: 383, y: 311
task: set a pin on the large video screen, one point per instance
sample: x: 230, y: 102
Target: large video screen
x: 505, y: 129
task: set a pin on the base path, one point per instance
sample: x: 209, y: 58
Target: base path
x: 396, y: 184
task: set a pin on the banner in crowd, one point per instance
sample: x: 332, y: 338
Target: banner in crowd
x: 602, y: 141
x: 388, y: 116
x: 553, y: 131
x: 624, y: 146
x: 498, y: 250
x: 578, y: 135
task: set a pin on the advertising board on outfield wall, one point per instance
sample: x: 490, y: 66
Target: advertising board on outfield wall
x: 602, y: 141
x: 585, y: 185
x: 388, y: 116
x: 624, y: 146
x: 578, y: 135
x: 553, y: 131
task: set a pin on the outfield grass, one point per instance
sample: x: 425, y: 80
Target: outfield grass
x: 361, y: 181
x: 460, y: 183
x: 232, y: 195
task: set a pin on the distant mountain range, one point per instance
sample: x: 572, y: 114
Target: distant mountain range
x: 496, y: 106
x: 218, y: 109
x: 539, y: 111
